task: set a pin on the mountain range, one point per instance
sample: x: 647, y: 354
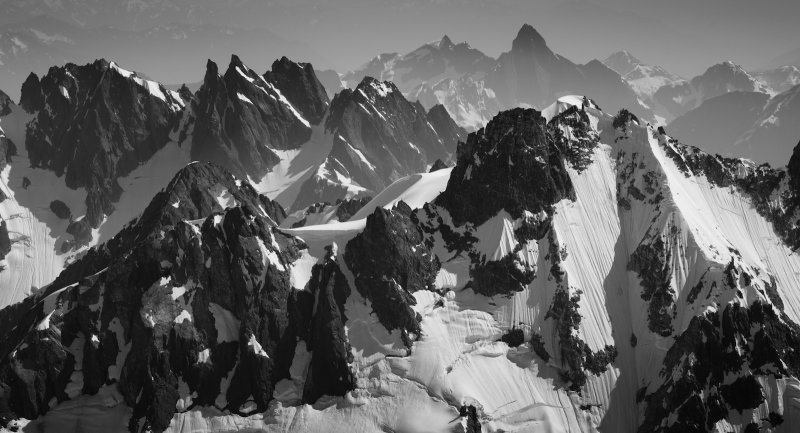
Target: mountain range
x: 261, y: 252
x: 474, y: 87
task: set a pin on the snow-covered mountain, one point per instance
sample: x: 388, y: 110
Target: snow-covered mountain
x: 780, y: 79
x: 468, y: 100
x: 429, y: 63
x: 378, y: 137
x: 531, y: 74
x: 574, y: 271
x: 681, y: 97
x: 644, y: 79
x: 744, y: 124
x: 170, y: 52
x: 90, y: 145
x: 474, y: 87
x: 440, y: 72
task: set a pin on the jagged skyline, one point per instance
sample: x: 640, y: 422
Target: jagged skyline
x: 684, y: 37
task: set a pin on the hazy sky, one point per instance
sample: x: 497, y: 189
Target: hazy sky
x: 685, y: 36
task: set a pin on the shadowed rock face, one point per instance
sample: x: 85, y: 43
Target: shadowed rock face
x: 299, y: 84
x: 710, y: 339
x: 5, y: 104
x: 235, y: 115
x: 174, y: 297
x: 94, y: 124
x: 348, y: 208
x: 191, y: 195
x: 329, y: 370
x: 392, y: 133
x: 533, y: 75
x: 378, y: 138
x: 7, y: 150
x: 449, y: 132
x: 5, y: 242
x: 438, y: 165
x: 390, y: 261
x: 511, y: 164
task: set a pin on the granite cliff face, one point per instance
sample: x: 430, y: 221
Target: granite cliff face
x: 190, y: 305
x: 378, y: 137
x: 570, y: 265
x: 241, y: 119
x: 96, y: 123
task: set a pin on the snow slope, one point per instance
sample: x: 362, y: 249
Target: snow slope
x: 35, y: 231
x: 714, y: 225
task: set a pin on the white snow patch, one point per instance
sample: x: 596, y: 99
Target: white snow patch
x: 244, y: 98
x: 256, y: 347
x: 226, y: 323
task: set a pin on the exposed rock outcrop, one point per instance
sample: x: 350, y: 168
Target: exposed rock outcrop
x: 94, y: 124
x: 329, y: 372
x: 378, y: 138
x: 176, y: 297
x: 390, y: 261
x: 234, y: 115
x: 529, y: 175
x: 299, y: 84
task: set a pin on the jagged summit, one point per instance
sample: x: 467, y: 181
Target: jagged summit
x: 88, y: 128
x: 528, y: 40
x: 725, y: 67
x: 484, y: 182
x: 379, y: 136
x: 299, y: 83
x: 241, y: 118
x: 5, y: 104
x: 445, y: 43
x: 622, y: 62
x: 682, y: 96
x: 212, y: 70
x: 236, y: 62
x: 586, y: 254
x: 373, y: 87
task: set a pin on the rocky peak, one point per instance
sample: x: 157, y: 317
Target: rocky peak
x: 722, y: 76
x: 6, y: 104
x: 238, y: 71
x: 622, y: 62
x: 196, y: 191
x: 391, y: 261
x: 445, y: 43
x: 31, y: 99
x: 529, y: 40
x: 793, y: 168
x: 240, y: 119
x: 374, y: 89
x: 510, y: 164
x: 299, y: 83
x: 438, y: 165
x: 212, y: 72
x: 445, y: 126
x: 95, y: 123
x: 379, y: 137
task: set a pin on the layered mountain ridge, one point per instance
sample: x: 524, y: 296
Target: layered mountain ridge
x: 474, y: 87
x: 572, y: 265
x: 753, y: 125
x: 90, y: 145
x: 258, y: 255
